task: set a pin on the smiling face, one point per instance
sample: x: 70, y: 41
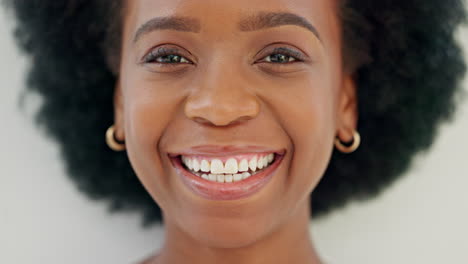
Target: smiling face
x: 212, y: 87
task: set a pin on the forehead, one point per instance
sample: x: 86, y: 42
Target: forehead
x: 228, y: 13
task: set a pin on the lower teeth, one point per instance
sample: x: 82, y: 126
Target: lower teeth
x: 226, y: 178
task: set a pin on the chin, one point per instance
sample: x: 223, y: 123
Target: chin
x: 228, y: 233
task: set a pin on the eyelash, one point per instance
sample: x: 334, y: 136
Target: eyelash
x: 161, y: 52
x: 153, y: 56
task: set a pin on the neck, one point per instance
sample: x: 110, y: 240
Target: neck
x: 290, y: 243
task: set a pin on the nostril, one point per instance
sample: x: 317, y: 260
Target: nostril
x: 201, y: 120
x: 221, y: 122
x: 243, y: 119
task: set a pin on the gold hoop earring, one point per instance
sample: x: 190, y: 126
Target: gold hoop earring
x: 112, y: 142
x: 351, y: 147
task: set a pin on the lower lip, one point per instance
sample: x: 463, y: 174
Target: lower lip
x: 226, y: 191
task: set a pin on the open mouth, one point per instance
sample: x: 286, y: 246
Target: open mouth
x: 227, y: 177
x: 233, y: 169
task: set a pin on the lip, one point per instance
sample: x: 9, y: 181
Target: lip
x: 225, y: 191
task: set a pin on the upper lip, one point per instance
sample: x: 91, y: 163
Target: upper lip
x: 225, y: 150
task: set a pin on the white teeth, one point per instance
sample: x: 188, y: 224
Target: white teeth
x: 253, y: 164
x: 231, y: 166
x: 237, y: 177
x: 195, y: 165
x: 220, y: 177
x: 231, y: 171
x: 212, y: 177
x: 265, y: 161
x: 271, y: 157
x: 205, y: 166
x: 243, y: 165
x: 189, y: 163
x: 260, y: 164
x: 217, y: 166
x: 228, y: 178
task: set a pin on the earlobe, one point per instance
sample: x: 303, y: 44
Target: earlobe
x: 348, y: 147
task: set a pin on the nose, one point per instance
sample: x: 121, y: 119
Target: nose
x: 221, y: 99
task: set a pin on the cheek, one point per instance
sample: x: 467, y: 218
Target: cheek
x: 308, y: 114
x: 148, y: 111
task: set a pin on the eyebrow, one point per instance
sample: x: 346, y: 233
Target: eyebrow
x: 177, y: 23
x: 264, y: 20
x: 254, y: 22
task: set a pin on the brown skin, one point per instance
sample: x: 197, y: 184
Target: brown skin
x: 229, y: 95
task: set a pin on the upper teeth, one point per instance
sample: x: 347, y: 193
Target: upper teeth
x: 231, y: 166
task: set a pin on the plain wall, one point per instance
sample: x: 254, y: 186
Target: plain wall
x: 422, y: 218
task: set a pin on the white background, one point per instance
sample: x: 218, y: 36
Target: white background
x: 422, y: 218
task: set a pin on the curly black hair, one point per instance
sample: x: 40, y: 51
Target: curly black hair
x: 406, y: 62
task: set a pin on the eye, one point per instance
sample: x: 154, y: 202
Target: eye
x: 165, y: 56
x: 279, y: 58
x: 283, y: 55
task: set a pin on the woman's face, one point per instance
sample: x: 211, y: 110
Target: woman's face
x: 209, y: 81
